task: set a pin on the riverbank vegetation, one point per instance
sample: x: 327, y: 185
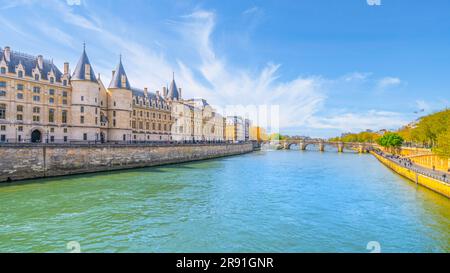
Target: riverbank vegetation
x: 431, y: 131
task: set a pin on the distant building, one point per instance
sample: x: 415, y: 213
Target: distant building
x: 247, y: 125
x: 258, y: 134
x: 235, y: 130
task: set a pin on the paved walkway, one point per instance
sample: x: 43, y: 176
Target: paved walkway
x: 407, y: 163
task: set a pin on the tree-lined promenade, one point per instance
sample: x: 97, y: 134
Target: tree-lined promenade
x: 431, y: 131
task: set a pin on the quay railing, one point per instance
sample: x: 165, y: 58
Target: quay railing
x: 408, y: 164
x: 120, y: 143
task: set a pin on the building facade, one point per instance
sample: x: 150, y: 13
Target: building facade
x: 235, y: 128
x: 41, y: 104
x: 194, y: 119
x: 258, y: 134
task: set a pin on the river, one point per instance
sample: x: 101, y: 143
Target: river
x: 268, y: 201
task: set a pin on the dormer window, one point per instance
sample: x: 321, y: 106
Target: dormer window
x: 20, y: 74
x: 3, y: 70
x: 65, y: 82
x: 36, y: 77
x: 87, y: 70
x: 124, y: 81
x: 52, y: 80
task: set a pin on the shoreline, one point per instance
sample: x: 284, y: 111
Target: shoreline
x: 42, y: 161
x: 415, y: 177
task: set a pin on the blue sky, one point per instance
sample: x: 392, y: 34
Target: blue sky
x: 331, y: 66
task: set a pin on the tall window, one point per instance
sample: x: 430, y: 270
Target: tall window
x: 85, y: 136
x: 36, y: 98
x: 36, y: 77
x: 64, y: 116
x: 36, y: 90
x: 20, y: 87
x: 64, y: 94
x: 2, y: 111
x: 51, y: 115
x: 20, y: 96
x: 36, y: 110
x: 2, y: 84
x: 3, y: 70
x: 82, y: 119
x: 51, y: 92
x: 19, y: 108
x: 2, y: 93
x: 82, y: 109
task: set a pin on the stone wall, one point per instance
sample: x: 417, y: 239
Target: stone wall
x: 19, y: 162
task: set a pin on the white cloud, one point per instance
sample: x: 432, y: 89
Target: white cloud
x: 356, y: 76
x: 211, y: 76
x: 356, y: 122
x: 388, y: 82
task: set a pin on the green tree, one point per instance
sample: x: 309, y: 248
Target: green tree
x: 443, y: 145
x: 276, y: 136
x: 391, y: 141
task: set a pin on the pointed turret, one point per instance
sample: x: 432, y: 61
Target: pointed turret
x: 120, y: 79
x: 173, y: 93
x: 84, y: 71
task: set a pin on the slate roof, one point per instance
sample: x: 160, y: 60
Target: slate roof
x: 116, y: 81
x: 151, y: 96
x: 173, y: 91
x: 30, y: 62
x: 80, y: 73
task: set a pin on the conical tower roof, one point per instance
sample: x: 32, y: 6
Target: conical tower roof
x: 173, y: 94
x: 116, y: 81
x: 80, y: 73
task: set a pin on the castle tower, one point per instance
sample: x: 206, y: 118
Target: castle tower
x: 85, y: 110
x: 174, y: 93
x: 120, y: 106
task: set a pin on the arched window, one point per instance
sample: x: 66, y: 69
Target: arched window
x: 2, y: 111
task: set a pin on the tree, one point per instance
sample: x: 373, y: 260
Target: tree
x: 276, y: 136
x: 443, y: 145
x: 391, y: 141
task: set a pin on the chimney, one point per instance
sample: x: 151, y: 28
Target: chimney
x: 7, y: 53
x: 66, y: 68
x: 146, y: 92
x: 179, y: 93
x: 165, y: 92
x: 40, y: 61
x: 113, y: 73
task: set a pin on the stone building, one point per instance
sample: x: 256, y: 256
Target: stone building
x: 235, y: 128
x: 194, y: 119
x: 35, y: 99
x: 39, y: 103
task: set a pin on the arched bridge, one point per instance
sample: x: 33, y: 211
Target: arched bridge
x: 302, y: 144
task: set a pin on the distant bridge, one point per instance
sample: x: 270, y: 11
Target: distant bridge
x: 302, y: 144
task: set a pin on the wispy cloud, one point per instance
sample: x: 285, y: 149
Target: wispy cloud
x: 388, y: 82
x: 207, y: 73
x: 356, y: 122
